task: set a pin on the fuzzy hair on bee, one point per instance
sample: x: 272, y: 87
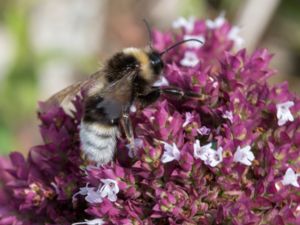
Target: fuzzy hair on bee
x: 128, y: 74
x: 125, y: 79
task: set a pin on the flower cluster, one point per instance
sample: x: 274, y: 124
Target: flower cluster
x: 37, y: 190
x: 229, y: 157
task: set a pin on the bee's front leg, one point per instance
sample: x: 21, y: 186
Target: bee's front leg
x: 156, y: 92
x: 150, y: 97
x: 173, y: 91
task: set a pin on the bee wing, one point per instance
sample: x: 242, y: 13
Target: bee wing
x: 120, y: 90
x: 71, y: 91
x: 121, y: 94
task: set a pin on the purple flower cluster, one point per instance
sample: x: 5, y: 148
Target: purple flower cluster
x: 231, y: 157
x: 37, y: 190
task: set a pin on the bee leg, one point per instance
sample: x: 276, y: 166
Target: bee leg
x: 149, y: 98
x: 181, y: 94
x: 155, y: 93
x: 127, y: 127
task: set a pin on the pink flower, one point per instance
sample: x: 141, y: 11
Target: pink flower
x: 138, y: 143
x: 172, y: 179
x: 188, y: 119
x: 195, y: 44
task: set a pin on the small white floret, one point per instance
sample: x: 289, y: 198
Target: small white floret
x: 97, y: 221
x: 290, y: 178
x: 234, y: 36
x: 187, y: 24
x: 244, y: 155
x: 161, y: 82
x: 110, y: 189
x: 190, y: 59
x: 283, y: 112
x: 171, y: 153
x: 203, y: 130
x: 217, y: 22
x: 207, y: 154
x: 228, y: 115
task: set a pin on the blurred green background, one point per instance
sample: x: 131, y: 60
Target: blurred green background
x: 46, y: 45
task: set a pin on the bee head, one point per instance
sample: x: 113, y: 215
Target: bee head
x: 156, y: 62
x: 148, y: 62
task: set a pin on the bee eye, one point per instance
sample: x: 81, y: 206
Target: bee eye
x: 156, y: 62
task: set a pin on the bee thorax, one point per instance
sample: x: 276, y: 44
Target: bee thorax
x: 98, y: 142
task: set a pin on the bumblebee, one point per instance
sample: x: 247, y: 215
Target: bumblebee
x: 126, y: 78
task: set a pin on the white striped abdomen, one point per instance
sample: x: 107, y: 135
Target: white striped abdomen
x: 98, y: 142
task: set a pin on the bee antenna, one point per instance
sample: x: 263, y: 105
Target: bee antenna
x: 149, y: 33
x: 179, y: 43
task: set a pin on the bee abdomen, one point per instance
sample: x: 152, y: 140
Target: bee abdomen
x: 98, y: 142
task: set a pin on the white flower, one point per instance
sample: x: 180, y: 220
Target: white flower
x: 214, y: 157
x: 207, y: 154
x: 161, y: 82
x: 190, y: 59
x: 194, y: 44
x: 215, y: 84
x: 234, y: 36
x: 199, y: 151
x: 182, y: 22
x: 132, y: 108
x: 244, y: 155
x: 138, y: 143
x: 188, y: 119
x: 283, y: 112
x: 203, y: 130
x: 171, y: 153
x: 91, y: 222
x: 216, y: 23
x: 92, y: 196
x: 110, y: 189
x: 228, y: 115
x: 83, y: 190
x: 290, y: 177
